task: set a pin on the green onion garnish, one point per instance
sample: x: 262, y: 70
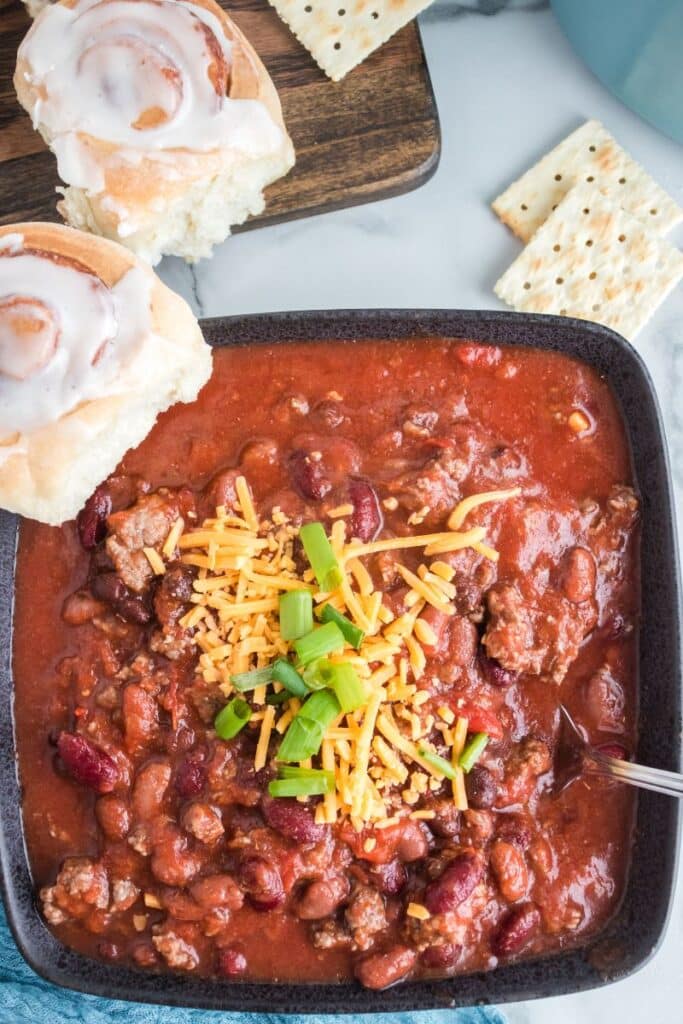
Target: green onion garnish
x: 311, y: 675
x: 295, y: 771
x: 244, y: 681
x: 321, y: 556
x: 352, y: 633
x: 278, y: 698
x: 305, y: 733
x: 286, y: 674
x: 438, y: 762
x: 316, y: 783
x: 473, y: 751
x: 296, y: 614
x: 318, y: 643
x: 232, y: 719
x: 347, y: 687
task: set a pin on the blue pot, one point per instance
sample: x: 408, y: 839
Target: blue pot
x: 635, y: 47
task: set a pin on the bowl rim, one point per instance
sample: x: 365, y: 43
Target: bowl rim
x: 626, y: 943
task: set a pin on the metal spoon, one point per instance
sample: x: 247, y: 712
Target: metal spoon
x: 575, y: 757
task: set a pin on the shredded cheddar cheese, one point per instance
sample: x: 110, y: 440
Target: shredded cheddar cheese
x: 244, y: 566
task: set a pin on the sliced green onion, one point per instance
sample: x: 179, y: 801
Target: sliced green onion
x: 296, y: 614
x: 473, y: 751
x: 347, y: 687
x: 295, y: 771
x: 312, y: 676
x: 286, y: 674
x: 438, y: 762
x: 305, y: 733
x: 232, y: 719
x: 304, y: 785
x: 321, y: 556
x: 244, y: 681
x: 352, y: 633
x: 278, y: 698
x: 320, y: 642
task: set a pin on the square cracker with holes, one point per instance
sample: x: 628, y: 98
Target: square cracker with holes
x: 589, y: 155
x: 341, y: 33
x: 593, y: 260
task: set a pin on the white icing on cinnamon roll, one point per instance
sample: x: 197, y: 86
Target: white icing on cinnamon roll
x: 143, y: 101
x: 148, y: 75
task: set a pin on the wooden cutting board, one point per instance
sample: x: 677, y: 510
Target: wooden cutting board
x: 373, y: 135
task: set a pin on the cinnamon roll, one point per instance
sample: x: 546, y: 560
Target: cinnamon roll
x: 92, y: 347
x: 165, y: 123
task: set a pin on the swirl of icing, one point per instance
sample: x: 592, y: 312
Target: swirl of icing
x: 145, y: 75
x: 65, y: 337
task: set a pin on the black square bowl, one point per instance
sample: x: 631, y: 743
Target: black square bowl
x: 633, y: 935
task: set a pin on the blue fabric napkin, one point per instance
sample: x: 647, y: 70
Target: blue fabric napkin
x: 27, y: 999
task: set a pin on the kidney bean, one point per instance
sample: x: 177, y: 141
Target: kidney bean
x: 510, y: 870
x: 134, y: 609
x: 140, y: 715
x: 172, y: 863
x: 366, y: 521
x: 441, y: 957
x: 379, y: 970
x: 217, y: 891
x: 261, y: 880
x: 108, y: 587
x: 190, y: 776
x: 389, y: 878
x: 87, y: 763
x: 291, y: 819
x: 308, y: 476
x: 231, y: 962
x: 515, y: 930
x: 91, y: 521
x: 481, y: 787
x: 321, y: 898
x: 579, y: 575
x: 513, y: 829
x: 613, y: 750
x: 177, y: 582
x: 149, y: 789
x: 447, y: 820
x: 458, y: 879
x: 493, y: 671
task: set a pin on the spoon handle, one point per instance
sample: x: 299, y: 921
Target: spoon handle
x: 656, y: 779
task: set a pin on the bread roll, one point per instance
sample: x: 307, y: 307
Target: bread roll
x: 165, y: 123
x: 92, y: 347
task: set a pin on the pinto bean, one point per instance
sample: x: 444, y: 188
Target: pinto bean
x: 441, y: 957
x: 389, y: 878
x: 414, y: 844
x: 510, y: 870
x: 515, y: 930
x: 579, y: 574
x: 86, y: 763
x: 458, y: 879
x: 149, y: 790
x: 217, y: 891
x: 113, y: 816
x: 291, y: 819
x: 261, y: 881
x: 172, y: 863
x: 366, y: 521
x: 140, y: 716
x: 322, y: 897
x: 383, y: 969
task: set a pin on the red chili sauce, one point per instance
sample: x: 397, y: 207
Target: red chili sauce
x: 154, y: 843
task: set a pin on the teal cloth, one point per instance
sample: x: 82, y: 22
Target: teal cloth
x: 27, y: 999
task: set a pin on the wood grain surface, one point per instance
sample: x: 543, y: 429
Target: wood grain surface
x: 373, y: 135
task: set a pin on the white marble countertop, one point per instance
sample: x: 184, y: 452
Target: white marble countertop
x: 508, y: 88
